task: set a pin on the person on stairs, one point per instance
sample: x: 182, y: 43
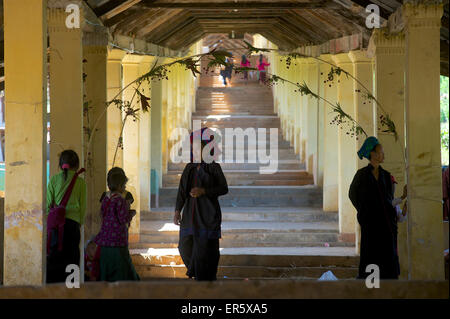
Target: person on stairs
x: 201, y: 183
x: 245, y: 63
x: 115, y: 260
x: 69, y: 190
x: 372, y: 195
x: 262, y: 69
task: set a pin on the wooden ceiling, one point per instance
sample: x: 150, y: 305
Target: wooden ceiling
x: 177, y: 24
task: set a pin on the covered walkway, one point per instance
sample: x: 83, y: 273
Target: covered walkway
x: 73, y: 70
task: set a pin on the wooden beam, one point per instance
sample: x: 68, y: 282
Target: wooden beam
x: 238, y: 5
x: 129, y: 14
x: 158, y: 24
x: 113, y: 8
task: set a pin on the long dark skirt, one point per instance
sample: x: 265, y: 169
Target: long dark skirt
x: 201, y: 257
x: 380, y: 250
x: 116, y: 264
x: 262, y: 76
x: 57, y: 261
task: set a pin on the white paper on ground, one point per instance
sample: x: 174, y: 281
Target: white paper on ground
x: 328, y: 276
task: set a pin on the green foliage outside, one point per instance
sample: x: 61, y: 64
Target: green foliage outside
x: 444, y: 120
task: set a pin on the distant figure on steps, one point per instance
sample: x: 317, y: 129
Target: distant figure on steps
x: 245, y: 63
x: 262, y: 69
x: 372, y: 195
x: 227, y: 71
x: 200, y: 224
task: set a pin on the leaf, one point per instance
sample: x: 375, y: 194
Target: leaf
x: 145, y: 105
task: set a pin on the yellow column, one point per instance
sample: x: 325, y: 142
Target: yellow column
x: 145, y: 139
x: 164, y: 125
x: 171, y: 115
x: 130, y: 65
x: 156, y: 138
x: 114, y: 115
x: 330, y: 164
x: 347, y: 158
x: 25, y: 34
x: 182, y: 105
x: 389, y: 66
x: 290, y: 104
x: 304, y: 112
x: 423, y: 149
x: 365, y: 111
x: 312, y: 118
x: 95, y: 56
x: 66, y: 88
x: 298, y: 101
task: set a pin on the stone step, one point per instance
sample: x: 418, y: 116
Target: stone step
x: 256, y: 214
x: 255, y: 196
x: 249, y: 182
x: 282, y: 165
x: 250, y: 272
x: 244, y: 124
x: 288, y: 175
x: 267, y: 257
x: 286, y: 154
x: 249, y: 234
x: 261, y: 238
x: 145, y: 245
x: 252, y: 178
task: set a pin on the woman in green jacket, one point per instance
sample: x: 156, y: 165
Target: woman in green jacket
x: 57, y: 261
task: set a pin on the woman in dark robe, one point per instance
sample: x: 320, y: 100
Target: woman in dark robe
x: 371, y: 194
x: 200, y: 224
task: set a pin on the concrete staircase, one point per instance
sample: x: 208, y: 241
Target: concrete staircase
x: 273, y: 225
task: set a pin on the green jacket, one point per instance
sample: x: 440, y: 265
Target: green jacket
x: 76, y: 207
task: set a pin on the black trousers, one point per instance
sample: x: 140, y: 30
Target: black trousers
x: 57, y: 261
x: 201, y: 257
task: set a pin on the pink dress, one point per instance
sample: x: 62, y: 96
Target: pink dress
x: 116, y: 216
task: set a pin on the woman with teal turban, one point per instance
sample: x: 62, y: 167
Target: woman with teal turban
x: 371, y: 192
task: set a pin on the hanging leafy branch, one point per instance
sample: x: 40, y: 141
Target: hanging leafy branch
x: 218, y: 58
x: 157, y: 72
x: 385, y: 119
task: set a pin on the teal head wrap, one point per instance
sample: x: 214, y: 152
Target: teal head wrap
x: 367, y: 147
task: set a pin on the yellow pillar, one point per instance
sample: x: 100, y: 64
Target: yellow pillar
x: 304, y: 113
x: 164, y: 125
x: 347, y: 158
x: 145, y: 139
x: 95, y: 56
x: 114, y: 115
x: 156, y: 139
x: 365, y: 110
x: 25, y: 34
x: 130, y: 65
x: 290, y: 104
x: 66, y: 88
x: 423, y: 149
x: 389, y: 67
x: 312, y: 118
x: 298, y: 101
x: 330, y: 163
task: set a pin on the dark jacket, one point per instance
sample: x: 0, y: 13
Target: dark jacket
x: 201, y: 216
